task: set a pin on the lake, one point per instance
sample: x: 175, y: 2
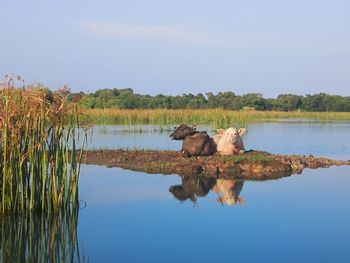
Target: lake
x: 131, y: 216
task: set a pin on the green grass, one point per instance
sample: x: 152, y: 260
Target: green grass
x: 217, y: 118
x: 248, y: 158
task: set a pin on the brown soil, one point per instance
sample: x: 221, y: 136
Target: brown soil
x: 253, y: 165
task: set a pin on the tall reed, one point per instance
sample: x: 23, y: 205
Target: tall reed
x: 39, y: 164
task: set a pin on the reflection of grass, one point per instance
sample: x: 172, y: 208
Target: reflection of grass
x: 132, y: 129
x: 215, y: 117
x: 248, y: 158
x: 40, y: 238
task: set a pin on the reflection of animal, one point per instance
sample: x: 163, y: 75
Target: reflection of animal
x: 229, y: 141
x: 229, y: 191
x: 195, y: 143
x: 191, y: 187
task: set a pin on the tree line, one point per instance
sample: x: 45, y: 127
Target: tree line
x: 127, y: 99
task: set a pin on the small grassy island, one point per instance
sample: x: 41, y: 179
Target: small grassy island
x: 253, y: 165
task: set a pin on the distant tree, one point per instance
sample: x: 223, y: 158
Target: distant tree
x: 179, y: 102
x: 254, y: 100
x: 287, y: 102
x: 127, y: 99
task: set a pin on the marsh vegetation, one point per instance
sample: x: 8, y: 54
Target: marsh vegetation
x: 39, y: 165
x: 217, y: 118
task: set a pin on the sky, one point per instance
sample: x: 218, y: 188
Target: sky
x: 184, y: 46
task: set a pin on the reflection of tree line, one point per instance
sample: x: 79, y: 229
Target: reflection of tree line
x: 40, y: 238
x: 228, y: 190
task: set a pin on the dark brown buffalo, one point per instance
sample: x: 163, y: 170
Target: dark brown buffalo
x: 195, y: 143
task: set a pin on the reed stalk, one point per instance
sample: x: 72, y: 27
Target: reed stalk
x: 39, y: 168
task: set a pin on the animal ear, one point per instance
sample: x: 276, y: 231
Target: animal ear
x: 194, y: 126
x: 220, y: 131
x: 242, y: 131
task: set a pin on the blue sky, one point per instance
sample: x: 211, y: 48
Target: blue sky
x: 175, y: 47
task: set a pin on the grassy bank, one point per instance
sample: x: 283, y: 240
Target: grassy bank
x: 215, y: 117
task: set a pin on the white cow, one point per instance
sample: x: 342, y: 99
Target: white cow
x: 229, y: 141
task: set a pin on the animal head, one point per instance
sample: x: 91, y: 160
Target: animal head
x: 182, y: 131
x: 231, y: 135
x: 229, y: 200
x: 181, y: 194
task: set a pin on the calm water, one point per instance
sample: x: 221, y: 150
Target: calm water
x: 133, y: 217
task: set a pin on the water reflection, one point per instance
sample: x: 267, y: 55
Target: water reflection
x: 192, y: 187
x: 228, y: 191
x: 40, y: 238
